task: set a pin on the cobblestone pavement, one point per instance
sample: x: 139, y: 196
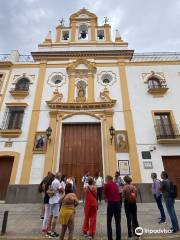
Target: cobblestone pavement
x: 24, y: 220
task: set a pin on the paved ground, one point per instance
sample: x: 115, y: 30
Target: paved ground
x: 24, y: 221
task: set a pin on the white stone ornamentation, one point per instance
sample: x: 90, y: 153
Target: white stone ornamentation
x: 56, y: 79
x: 107, y: 78
x: 16, y: 78
x: 158, y: 75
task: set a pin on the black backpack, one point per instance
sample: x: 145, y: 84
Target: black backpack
x: 172, y: 190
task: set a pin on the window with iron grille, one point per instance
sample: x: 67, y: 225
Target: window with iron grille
x: 154, y: 83
x: 164, y: 127
x: 13, y: 118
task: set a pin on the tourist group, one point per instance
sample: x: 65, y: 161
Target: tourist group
x: 60, y: 201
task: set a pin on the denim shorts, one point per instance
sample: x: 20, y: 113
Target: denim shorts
x: 54, y: 209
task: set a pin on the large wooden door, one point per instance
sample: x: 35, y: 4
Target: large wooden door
x: 6, y: 163
x: 172, y: 167
x: 81, y: 151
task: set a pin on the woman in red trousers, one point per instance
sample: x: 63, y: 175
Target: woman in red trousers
x: 90, y: 210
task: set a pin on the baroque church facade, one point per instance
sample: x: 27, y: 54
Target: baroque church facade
x: 86, y: 102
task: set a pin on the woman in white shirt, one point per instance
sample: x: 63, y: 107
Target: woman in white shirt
x: 99, y: 182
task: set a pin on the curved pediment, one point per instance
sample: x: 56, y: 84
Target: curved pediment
x: 81, y: 64
x: 83, y: 14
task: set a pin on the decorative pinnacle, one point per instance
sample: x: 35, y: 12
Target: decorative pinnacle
x: 49, y: 35
x: 117, y: 34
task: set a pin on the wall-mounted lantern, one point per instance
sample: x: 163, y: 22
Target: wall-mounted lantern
x: 48, y: 133
x: 112, y: 133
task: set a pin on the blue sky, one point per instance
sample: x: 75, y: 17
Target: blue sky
x: 146, y: 25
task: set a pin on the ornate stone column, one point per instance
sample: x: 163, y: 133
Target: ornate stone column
x: 71, y: 88
x: 90, y: 87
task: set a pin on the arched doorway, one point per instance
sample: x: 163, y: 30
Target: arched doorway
x: 6, y: 164
x: 81, y: 151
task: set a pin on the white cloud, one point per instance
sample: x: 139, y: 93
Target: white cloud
x: 145, y: 25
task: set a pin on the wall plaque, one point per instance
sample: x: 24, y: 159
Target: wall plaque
x: 146, y: 154
x: 148, y: 165
x: 8, y: 144
x: 123, y: 166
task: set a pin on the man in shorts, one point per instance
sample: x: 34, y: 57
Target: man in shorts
x: 57, y: 190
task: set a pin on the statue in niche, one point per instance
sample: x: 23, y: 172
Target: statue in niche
x: 81, y: 91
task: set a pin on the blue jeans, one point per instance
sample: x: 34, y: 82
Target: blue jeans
x: 170, y: 208
x: 160, y: 206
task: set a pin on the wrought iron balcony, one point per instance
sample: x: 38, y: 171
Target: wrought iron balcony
x: 20, y: 92
x: 20, y: 88
x: 153, y: 86
x: 168, y: 133
x: 157, y: 90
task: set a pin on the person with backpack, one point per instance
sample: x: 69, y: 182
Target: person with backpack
x: 130, y: 196
x: 158, y: 196
x: 169, y: 192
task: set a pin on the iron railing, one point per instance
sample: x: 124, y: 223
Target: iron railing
x: 5, y: 57
x: 137, y: 57
x: 19, y: 88
x: 153, y: 86
x: 20, y: 58
x: 156, y: 56
x: 167, y: 131
x: 25, y: 58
